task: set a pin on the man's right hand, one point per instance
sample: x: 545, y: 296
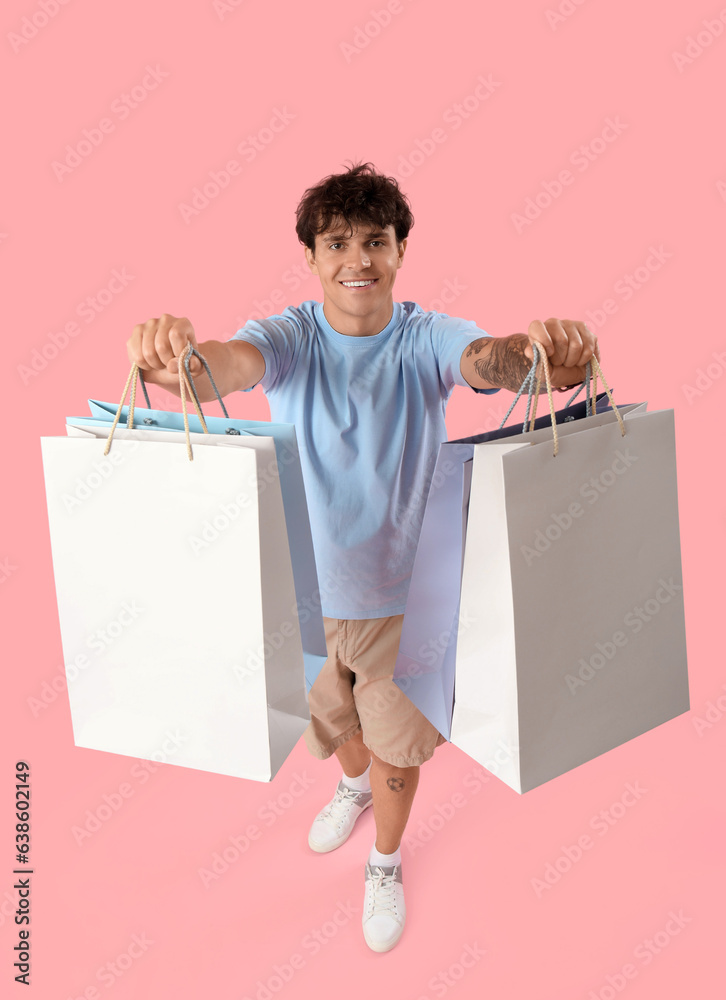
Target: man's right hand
x: 157, y: 344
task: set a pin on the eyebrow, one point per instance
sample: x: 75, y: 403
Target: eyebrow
x: 337, y: 237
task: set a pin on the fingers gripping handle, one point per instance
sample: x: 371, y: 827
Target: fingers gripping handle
x: 533, y: 381
x: 187, y: 355
x: 186, y: 383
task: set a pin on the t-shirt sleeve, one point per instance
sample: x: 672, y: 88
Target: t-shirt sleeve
x: 275, y: 338
x: 450, y: 337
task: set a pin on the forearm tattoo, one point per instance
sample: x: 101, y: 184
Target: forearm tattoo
x: 505, y: 364
x: 396, y: 784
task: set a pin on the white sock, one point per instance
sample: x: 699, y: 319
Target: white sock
x: 361, y: 783
x: 385, y: 860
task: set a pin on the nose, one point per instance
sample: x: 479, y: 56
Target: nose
x: 357, y: 258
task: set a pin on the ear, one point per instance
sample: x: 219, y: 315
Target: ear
x: 310, y: 258
x: 401, y: 251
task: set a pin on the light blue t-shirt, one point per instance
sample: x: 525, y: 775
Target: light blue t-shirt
x: 369, y: 416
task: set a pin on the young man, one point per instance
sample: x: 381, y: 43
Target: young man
x: 365, y: 380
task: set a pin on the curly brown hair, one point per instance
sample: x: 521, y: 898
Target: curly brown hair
x: 361, y: 195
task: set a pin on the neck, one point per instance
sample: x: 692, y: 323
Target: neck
x: 358, y: 326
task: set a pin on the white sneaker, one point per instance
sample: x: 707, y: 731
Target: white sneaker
x: 384, y: 910
x: 333, y: 824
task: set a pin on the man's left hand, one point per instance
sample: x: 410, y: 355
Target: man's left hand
x: 568, y: 344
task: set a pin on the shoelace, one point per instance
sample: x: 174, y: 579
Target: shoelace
x: 383, y: 893
x: 338, y: 808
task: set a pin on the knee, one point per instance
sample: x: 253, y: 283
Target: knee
x: 394, y: 769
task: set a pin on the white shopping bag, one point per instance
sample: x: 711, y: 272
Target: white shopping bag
x: 176, y: 599
x: 289, y: 472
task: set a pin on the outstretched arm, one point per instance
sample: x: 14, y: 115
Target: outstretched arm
x: 155, y: 346
x: 503, y: 362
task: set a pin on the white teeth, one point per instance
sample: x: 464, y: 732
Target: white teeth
x: 357, y: 284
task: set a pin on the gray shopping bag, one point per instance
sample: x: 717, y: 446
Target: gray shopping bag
x: 572, y: 635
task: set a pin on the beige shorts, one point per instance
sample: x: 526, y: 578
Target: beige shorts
x: 354, y: 693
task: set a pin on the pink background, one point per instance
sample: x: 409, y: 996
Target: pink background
x: 660, y: 183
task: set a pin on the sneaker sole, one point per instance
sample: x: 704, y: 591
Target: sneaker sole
x: 326, y: 848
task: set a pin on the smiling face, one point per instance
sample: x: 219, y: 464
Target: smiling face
x: 357, y: 271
